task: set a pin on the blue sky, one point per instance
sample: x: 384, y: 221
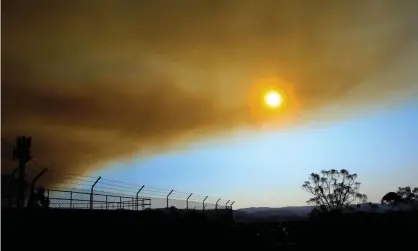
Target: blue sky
x: 268, y: 169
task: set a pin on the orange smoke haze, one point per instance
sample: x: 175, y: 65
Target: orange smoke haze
x: 99, y: 81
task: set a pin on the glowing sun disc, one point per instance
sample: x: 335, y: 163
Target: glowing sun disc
x: 273, y: 99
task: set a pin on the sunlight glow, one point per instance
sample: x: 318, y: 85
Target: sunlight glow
x: 273, y: 99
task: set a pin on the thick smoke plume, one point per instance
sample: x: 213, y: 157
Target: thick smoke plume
x: 97, y: 81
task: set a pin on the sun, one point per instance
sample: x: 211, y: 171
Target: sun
x: 273, y: 99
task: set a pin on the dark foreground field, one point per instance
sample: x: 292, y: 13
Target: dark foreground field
x: 129, y: 230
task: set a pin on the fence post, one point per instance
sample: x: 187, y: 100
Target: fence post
x: 216, y: 205
x: 23, y: 155
x: 106, y: 202
x: 168, y: 196
x: 187, y: 201
x: 203, y: 203
x: 36, y: 179
x: 137, y: 197
x: 226, y: 205
x: 31, y: 201
x: 91, y: 192
x: 12, y: 186
x: 2, y: 197
x: 71, y: 199
x: 231, y: 205
x: 120, y: 202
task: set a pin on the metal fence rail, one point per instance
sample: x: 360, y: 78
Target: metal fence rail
x: 64, y: 199
x: 80, y: 191
x: 81, y: 200
x: 84, y: 192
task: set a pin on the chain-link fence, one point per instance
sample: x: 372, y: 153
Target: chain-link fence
x: 65, y: 199
x: 84, y: 192
x: 84, y: 200
x: 74, y: 191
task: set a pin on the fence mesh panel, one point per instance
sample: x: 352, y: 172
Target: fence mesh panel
x: 108, y: 195
x: 82, y: 200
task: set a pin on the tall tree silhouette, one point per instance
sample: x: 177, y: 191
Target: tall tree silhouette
x: 334, y: 190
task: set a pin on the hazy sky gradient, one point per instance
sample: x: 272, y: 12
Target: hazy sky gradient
x: 268, y: 169
x: 100, y: 82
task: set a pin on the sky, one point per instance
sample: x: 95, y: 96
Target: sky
x: 268, y: 169
x: 132, y: 87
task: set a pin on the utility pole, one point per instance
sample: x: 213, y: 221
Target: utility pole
x: 22, y: 154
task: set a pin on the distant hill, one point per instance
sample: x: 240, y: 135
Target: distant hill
x: 271, y: 214
x: 299, y: 212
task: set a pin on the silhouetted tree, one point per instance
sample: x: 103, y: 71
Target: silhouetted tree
x: 333, y: 190
x: 404, y: 195
x: 391, y: 198
x: 408, y: 195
